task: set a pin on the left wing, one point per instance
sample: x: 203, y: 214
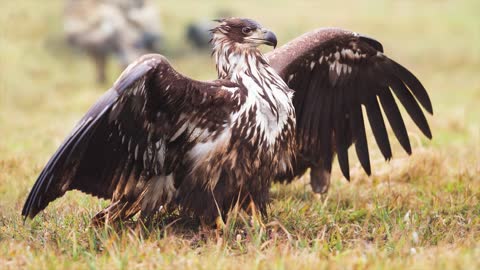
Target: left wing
x: 133, y: 136
x: 334, y: 72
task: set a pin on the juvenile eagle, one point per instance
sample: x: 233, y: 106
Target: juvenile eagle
x: 159, y: 140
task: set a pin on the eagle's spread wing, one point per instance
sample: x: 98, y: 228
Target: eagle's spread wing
x: 333, y: 73
x: 136, y: 130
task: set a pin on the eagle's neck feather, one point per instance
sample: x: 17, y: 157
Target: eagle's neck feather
x: 268, y: 94
x: 234, y: 60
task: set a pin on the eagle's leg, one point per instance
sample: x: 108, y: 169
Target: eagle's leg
x: 219, y: 223
x: 255, y: 214
x: 219, y: 229
x: 145, y: 220
x: 319, y: 179
x: 206, y: 225
x: 100, y: 60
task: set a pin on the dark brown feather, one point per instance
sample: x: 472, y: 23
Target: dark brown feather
x: 349, y: 71
x: 394, y: 118
x: 378, y: 126
x: 112, y: 153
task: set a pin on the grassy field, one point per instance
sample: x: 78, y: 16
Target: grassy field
x: 413, y: 213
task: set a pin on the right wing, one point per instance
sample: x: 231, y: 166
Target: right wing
x: 335, y: 73
x: 122, y: 140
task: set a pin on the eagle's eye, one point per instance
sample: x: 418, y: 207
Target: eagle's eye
x: 246, y: 30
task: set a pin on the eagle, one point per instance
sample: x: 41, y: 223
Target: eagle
x: 159, y: 142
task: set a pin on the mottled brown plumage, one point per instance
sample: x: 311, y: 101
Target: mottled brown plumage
x: 159, y: 141
x: 334, y: 73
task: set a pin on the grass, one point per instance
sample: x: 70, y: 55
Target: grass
x: 418, y: 212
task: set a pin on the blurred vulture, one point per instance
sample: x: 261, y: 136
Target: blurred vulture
x: 158, y: 141
x: 126, y: 29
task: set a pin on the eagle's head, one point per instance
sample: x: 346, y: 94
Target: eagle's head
x: 243, y: 33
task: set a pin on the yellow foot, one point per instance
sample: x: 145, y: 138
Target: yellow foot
x: 219, y: 223
x: 256, y: 221
x: 206, y: 225
x: 252, y: 208
x: 220, y: 229
x: 256, y: 217
x: 323, y: 198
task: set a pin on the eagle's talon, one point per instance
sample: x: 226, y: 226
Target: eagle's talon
x: 220, y: 224
x: 255, y: 216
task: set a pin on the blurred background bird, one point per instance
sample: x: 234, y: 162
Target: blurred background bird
x: 125, y: 29
x: 198, y: 32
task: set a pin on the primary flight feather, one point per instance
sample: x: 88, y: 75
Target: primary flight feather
x: 159, y: 140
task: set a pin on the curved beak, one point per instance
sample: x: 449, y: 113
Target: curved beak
x: 270, y: 38
x: 262, y: 36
